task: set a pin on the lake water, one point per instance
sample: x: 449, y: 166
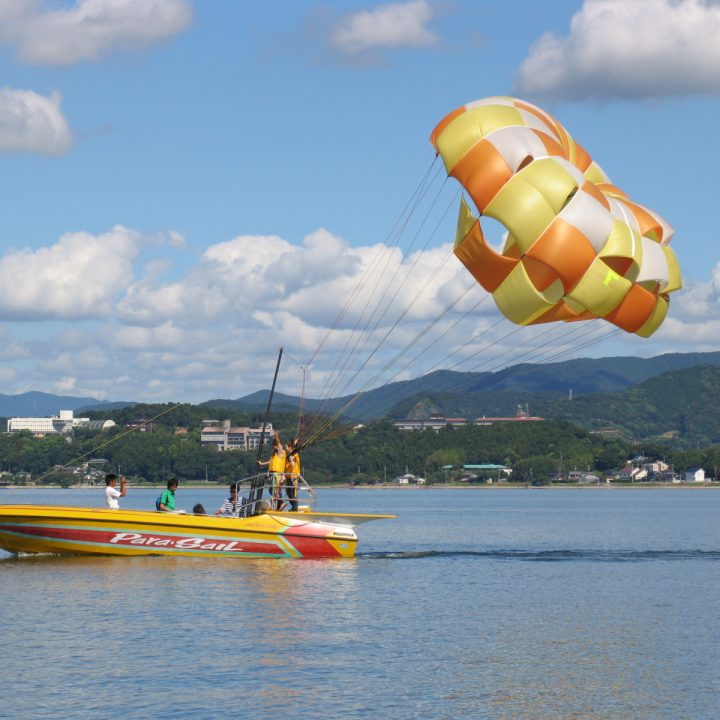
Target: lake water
x: 512, y: 604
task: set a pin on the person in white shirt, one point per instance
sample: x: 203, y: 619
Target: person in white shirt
x: 112, y: 493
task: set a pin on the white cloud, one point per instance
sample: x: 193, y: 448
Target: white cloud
x: 32, y: 123
x: 203, y: 333
x: 7, y: 375
x: 10, y: 349
x: 620, y: 49
x: 393, y: 25
x: 236, y: 277
x: 323, y: 256
x: 88, y: 29
x: 252, y: 281
x: 693, y: 322
x: 66, y: 386
x: 700, y: 300
x: 215, y: 331
x: 162, y: 338
x: 86, y: 360
x: 78, y: 277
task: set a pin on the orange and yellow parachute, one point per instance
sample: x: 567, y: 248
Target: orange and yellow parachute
x: 577, y: 248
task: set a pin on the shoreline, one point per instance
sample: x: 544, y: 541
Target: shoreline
x: 389, y: 486
x: 523, y: 486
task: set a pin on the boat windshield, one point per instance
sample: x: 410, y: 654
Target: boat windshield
x: 264, y: 493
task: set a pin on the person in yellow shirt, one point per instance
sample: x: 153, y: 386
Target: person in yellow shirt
x: 276, y: 471
x: 292, y: 472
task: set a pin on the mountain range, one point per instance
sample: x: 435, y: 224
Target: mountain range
x: 40, y: 404
x: 673, y: 395
x: 488, y: 393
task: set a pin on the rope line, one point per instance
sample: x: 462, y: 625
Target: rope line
x: 420, y: 292
x: 109, y: 442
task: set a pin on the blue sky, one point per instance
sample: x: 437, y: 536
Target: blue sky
x: 189, y: 185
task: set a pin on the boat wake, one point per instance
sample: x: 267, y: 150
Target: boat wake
x: 588, y: 555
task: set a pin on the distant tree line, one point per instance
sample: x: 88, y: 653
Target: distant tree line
x: 376, y: 453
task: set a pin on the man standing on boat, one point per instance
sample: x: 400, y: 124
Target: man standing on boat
x: 112, y: 494
x: 276, y: 470
x: 292, y: 473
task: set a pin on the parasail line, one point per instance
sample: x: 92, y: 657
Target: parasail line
x: 109, y: 442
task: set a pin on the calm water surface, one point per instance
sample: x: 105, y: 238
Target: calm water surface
x: 583, y: 604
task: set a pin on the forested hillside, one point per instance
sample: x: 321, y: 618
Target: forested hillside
x: 675, y: 415
x: 375, y: 453
x: 681, y: 408
x: 490, y: 393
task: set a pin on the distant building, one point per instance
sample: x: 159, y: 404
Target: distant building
x: 588, y: 479
x: 631, y: 473
x: 63, y: 423
x: 97, y: 425
x: 639, y: 469
x: 438, y: 421
x: 659, y: 466
x: 434, y: 422
x: 481, y: 473
x: 695, y: 475
x: 605, y: 431
x: 140, y: 424
x: 409, y: 479
x: 225, y: 437
x: 522, y: 416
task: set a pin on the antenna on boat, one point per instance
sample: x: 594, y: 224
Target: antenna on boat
x: 258, y: 481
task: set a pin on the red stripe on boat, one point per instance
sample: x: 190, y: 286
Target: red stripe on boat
x: 150, y: 541
x: 311, y: 546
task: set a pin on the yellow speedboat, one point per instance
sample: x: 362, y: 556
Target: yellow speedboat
x: 101, y: 531
x: 96, y: 531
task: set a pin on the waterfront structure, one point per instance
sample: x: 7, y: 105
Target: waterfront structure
x: 480, y: 473
x: 695, y: 475
x: 409, y: 479
x: 61, y: 424
x: 226, y: 437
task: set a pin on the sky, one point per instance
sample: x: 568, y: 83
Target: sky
x: 188, y: 186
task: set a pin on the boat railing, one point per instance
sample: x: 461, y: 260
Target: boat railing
x: 263, y: 493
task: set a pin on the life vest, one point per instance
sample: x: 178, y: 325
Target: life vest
x: 277, y: 462
x: 293, y: 464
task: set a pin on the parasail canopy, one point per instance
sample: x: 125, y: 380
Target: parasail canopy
x: 577, y: 248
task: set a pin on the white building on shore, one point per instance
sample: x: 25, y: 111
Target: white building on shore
x: 225, y: 437
x: 695, y: 475
x: 63, y: 423
x: 438, y: 421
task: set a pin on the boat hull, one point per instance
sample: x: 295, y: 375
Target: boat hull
x: 92, y: 531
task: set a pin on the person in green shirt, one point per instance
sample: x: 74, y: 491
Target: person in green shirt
x: 167, y: 499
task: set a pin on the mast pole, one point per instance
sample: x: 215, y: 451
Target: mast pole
x: 301, y: 415
x: 256, y: 488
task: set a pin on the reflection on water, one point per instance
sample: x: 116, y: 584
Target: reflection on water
x: 486, y: 605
